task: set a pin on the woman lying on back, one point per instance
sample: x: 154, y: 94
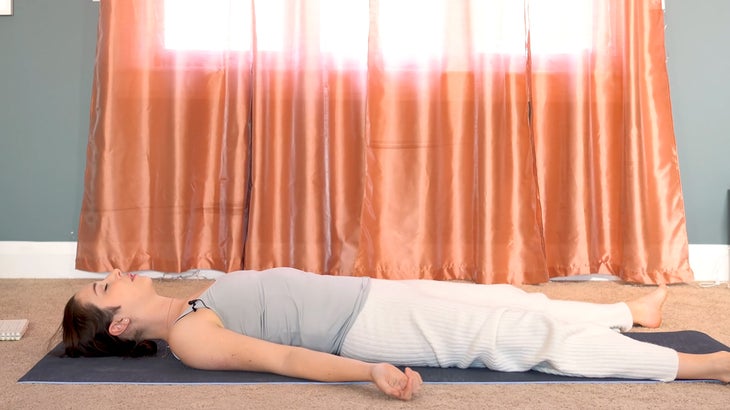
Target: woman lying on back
x: 335, y: 328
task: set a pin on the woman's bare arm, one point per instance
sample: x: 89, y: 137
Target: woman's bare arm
x: 200, y: 341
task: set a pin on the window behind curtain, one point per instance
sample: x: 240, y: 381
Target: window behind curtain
x: 558, y: 27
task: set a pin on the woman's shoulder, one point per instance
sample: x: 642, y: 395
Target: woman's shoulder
x: 200, y: 341
x: 195, y: 319
x: 192, y: 329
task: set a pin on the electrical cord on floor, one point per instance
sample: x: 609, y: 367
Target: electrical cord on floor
x: 191, y: 274
x: 713, y: 284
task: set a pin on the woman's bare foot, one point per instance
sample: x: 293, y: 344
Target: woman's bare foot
x: 647, y: 310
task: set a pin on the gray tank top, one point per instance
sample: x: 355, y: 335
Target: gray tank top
x: 287, y: 306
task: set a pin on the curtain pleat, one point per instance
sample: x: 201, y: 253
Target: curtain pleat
x: 348, y: 140
x: 164, y: 185
x: 608, y: 168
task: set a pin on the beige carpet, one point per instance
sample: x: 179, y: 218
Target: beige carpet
x: 689, y: 306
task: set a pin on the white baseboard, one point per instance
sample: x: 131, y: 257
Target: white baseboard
x: 56, y: 260
x: 710, y: 263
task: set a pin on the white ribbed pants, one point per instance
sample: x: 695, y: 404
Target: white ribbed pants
x: 503, y: 328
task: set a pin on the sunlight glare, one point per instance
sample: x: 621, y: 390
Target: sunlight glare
x: 410, y: 31
x: 216, y: 25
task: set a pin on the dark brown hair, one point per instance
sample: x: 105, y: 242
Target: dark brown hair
x: 86, y: 333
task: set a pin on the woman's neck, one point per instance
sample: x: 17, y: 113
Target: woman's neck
x: 165, y: 313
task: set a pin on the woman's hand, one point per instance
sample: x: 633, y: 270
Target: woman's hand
x: 395, y: 383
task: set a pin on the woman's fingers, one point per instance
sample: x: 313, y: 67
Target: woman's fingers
x: 417, y: 380
x: 396, y: 383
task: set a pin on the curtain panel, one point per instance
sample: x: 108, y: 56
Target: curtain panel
x: 473, y: 143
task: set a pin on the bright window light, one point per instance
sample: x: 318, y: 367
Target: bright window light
x: 498, y: 26
x: 561, y: 26
x: 344, y: 27
x: 270, y: 23
x: 407, y: 35
x: 213, y: 25
x: 557, y: 27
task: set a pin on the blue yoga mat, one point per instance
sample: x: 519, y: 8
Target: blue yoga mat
x: 164, y: 368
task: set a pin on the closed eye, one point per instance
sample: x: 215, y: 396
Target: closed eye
x: 106, y: 286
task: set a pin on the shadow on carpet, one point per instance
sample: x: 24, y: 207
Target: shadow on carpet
x: 164, y: 368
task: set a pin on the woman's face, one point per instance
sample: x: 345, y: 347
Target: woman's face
x: 117, y: 289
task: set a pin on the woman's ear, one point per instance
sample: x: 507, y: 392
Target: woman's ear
x: 117, y: 327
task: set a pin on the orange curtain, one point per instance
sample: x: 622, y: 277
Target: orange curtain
x: 607, y: 162
x: 472, y: 143
x: 165, y: 183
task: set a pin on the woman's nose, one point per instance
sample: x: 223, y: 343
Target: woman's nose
x: 114, y: 274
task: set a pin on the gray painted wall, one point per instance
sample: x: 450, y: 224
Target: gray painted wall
x: 698, y: 60
x: 47, y: 50
x: 46, y: 61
